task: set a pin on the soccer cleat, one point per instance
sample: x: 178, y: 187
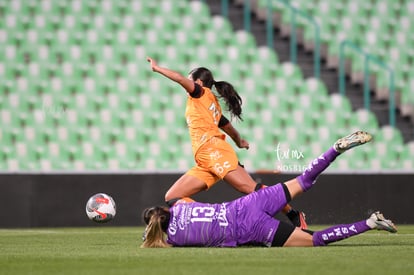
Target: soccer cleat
x: 302, y: 218
x: 297, y: 218
x: 351, y: 141
x: 377, y: 221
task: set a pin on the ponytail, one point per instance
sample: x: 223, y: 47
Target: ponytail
x: 157, y: 219
x: 231, y: 97
x: 226, y: 90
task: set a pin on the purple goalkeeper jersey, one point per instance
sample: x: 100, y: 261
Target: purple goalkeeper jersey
x: 247, y: 220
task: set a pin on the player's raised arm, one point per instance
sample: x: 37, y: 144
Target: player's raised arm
x: 186, y: 83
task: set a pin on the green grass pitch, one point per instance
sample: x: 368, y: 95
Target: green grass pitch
x: 115, y: 250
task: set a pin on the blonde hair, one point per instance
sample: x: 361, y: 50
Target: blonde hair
x: 157, y: 219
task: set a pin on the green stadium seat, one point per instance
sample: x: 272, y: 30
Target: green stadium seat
x: 245, y: 39
x: 407, y: 100
x: 337, y: 115
x: 325, y: 134
x: 314, y: 87
x: 389, y: 147
x: 266, y: 55
x: 222, y: 26
x: 390, y: 134
x: 409, y: 149
x: 365, y: 120
x: 290, y: 71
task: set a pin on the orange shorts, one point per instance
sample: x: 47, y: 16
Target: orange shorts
x: 214, y: 160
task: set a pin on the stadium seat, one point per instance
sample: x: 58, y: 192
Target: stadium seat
x: 364, y: 119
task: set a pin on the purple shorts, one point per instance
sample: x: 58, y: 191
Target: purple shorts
x: 255, y: 215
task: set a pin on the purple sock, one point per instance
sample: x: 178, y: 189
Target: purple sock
x: 315, y: 168
x: 339, y: 232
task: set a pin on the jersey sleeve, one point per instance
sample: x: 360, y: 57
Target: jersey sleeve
x: 223, y: 121
x: 197, y: 91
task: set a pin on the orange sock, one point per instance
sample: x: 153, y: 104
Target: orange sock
x: 259, y: 186
x: 287, y: 208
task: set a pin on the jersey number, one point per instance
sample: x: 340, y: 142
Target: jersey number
x: 202, y: 214
x: 220, y: 168
x: 215, y: 111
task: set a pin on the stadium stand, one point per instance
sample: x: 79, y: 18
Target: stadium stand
x: 380, y: 28
x: 77, y: 93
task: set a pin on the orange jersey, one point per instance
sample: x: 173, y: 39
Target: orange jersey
x: 203, y: 115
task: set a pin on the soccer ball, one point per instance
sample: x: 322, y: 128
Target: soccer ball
x: 101, y: 208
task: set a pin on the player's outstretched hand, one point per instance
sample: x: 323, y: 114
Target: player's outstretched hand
x: 243, y: 144
x: 152, y: 62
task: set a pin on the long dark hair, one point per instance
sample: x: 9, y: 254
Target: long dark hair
x: 157, y: 219
x: 225, y: 89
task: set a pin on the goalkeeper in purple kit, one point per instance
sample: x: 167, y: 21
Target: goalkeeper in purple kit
x: 250, y: 220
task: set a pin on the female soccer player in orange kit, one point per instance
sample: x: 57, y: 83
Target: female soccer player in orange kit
x: 215, y: 158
